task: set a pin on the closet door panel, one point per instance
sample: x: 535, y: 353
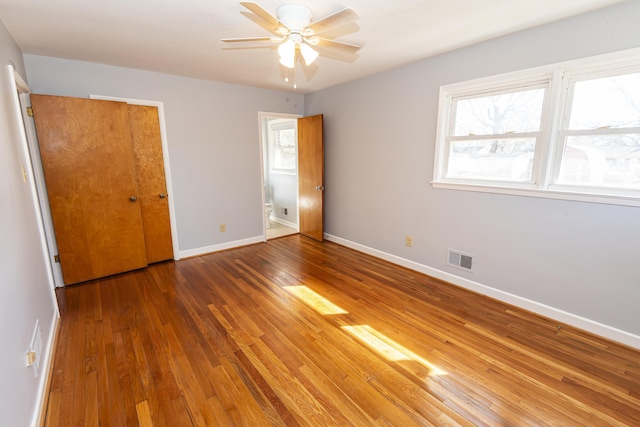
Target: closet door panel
x: 154, y: 202
x: 90, y: 176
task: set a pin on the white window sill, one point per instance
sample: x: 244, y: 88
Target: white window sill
x: 560, y: 194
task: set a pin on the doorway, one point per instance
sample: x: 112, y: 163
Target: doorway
x: 279, y: 149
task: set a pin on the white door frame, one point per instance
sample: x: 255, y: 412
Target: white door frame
x: 35, y: 175
x: 165, y: 156
x: 262, y: 115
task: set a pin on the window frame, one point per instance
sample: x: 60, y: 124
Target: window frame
x: 542, y: 81
x: 570, y: 78
x: 273, y: 128
x: 550, y: 141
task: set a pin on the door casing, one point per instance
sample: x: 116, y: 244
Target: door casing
x: 262, y: 136
x: 35, y: 176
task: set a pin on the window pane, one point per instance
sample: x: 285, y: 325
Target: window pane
x: 497, y: 114
x: 611, y: 101
x: 611, y: 160
x: 286, y: 138
x: 284, y: 149
x: 501, y: 159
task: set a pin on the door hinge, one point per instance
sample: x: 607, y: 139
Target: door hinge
x: 29, y: 111
x: 56, y: 258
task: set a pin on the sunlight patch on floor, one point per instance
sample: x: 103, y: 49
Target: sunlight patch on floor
x: 314, y: 300
x: 389, y: 348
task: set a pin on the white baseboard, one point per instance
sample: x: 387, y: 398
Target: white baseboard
x: 46, y: 373
x: 221, y: 247
x: 284, y: 222
x: 561, y: 316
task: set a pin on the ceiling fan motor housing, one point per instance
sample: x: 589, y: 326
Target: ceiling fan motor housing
x: 294, y: 16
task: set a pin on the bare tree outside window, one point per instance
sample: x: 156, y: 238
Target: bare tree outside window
x: 499, y: 128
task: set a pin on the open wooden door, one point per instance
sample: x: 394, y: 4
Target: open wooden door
x: 311, y: 176
x: 152, y: 187
x: 90, y: 175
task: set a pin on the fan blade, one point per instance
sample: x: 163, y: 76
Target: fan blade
x: 345, y: 16
x: 332, y: 44
x: 247, y: 39
x: 266, y: 16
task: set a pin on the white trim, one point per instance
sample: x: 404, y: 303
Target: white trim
x: 548, y: 193
x: 165, y: 155
x: 561, y: 316
x: 38, y: 171
x: 221, y: 247
x: 262, y: 115
x: 285, y: 222
x: 35, y: 174
x: 47, y: 372
x: 21, y: 85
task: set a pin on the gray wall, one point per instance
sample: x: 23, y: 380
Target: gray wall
x: 213, y: 138
x: 579, y: 258
x: 284, y: 194
x: 27, y: 293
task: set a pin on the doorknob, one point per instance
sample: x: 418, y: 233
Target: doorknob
x: 320, y: 188
x: 133, y: 198
x: 163, y: 195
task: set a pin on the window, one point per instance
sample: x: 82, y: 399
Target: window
x: 282, y: 145
x: 561, y: 131
x: 600, y: 138
x: 494, y: 136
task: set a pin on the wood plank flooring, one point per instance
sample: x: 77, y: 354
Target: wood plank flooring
x: 298, y: 333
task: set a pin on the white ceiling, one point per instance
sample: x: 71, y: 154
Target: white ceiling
x: 182, y: 37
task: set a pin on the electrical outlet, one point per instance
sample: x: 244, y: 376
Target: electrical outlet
x: 408, y: 240
x: 285, y: 211
x: 31, y: 357
x: 223, y: 228
x: 34, y: 351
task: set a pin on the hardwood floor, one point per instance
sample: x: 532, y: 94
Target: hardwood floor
x: 294, y: 332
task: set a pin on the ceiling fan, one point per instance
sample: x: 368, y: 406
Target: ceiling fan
x: 295, y: 31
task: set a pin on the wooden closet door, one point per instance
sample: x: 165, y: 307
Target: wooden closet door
x: 152, y: 187
x: 91, y: 183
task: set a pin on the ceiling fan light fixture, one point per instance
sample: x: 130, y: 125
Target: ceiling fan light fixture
x: 287, y: 52
x: 308, y: 54
x: 287, y: 62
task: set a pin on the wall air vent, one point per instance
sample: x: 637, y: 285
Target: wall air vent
x: 461, y: 260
